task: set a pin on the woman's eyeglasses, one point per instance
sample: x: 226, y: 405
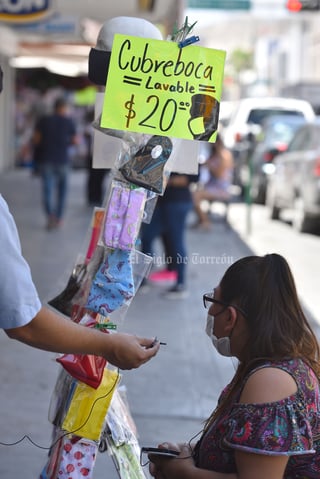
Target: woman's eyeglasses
x: 208, y: 300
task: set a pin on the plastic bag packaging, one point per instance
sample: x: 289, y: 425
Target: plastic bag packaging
x: 63, y: 301
x: 89, y: 318
x: 120, y: 423
x: 81, y: 296
x: 120, y: 438
x: 88, y: 407
x: 83, y: 269
x: 116, y: 283
x: 87, y: 368
x: 124, y: 212
x: 150, y: 205
x: 146, y: 167
x: 141, y: 265
x: 84, y: 367
x: 126, y: 458
x: 112, y: 286
x: 71, y: 457
x: 146, y: 163
x: 95, y: 231
x: 125, y: 135
x: 61, y: 397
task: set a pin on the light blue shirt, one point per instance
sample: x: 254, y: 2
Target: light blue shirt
x: 19, y: 301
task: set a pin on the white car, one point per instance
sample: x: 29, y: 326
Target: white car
x: 293, y: 187
x: 249, y: 113
x: 245, y: 123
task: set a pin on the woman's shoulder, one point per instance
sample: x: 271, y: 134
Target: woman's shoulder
x: 275, y: 380
x: 268, y: 384
x: 293, y: 366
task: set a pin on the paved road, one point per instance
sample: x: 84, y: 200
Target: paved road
x: 169, y: 397
x: 301, y: 250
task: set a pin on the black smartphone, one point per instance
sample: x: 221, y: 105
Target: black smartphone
x: 159, y: 451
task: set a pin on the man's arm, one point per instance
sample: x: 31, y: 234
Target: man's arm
x: 52, y: 332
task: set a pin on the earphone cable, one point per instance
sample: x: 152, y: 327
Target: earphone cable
x: 28, y: 438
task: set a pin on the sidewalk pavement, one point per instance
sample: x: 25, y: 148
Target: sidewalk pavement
x: 170, y: 396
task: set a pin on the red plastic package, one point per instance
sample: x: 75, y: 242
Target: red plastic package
x: 84, y: 367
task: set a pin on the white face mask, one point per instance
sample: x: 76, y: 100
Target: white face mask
x: 222, y: 345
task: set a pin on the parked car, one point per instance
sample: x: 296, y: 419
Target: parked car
x: 245, y: 124
x: 294, y: 185
x: 277, y: 132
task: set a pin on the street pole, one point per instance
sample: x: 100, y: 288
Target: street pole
x: 248, y: 185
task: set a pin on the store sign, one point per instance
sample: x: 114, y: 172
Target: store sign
x: 156, y: 87
x: 24, y: 11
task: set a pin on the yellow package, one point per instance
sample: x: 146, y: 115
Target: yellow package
x: 89, y: 406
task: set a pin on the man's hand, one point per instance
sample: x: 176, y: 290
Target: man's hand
x: 128, y: 352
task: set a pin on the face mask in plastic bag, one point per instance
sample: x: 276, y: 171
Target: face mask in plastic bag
x: 146, y: 167
x: 95, y: 230
x: 61, y: 398
x: 123, y: 216
x: 81, y: 296
x: 113, y: 284
x: 120, y: 424
x: 63, y: 302
x: 127, y: 459
x: 71, y: 457
x: 88, y: 408
x: 86, y: 368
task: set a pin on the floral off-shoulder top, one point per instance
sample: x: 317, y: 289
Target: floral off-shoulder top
x: 288, y: 427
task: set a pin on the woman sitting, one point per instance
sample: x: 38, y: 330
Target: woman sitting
x: 219, y: 170
x: 267, y: 421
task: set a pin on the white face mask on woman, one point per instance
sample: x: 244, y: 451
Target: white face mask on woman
x: 222, y: 345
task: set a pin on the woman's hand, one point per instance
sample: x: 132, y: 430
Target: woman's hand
x: 162, y: 467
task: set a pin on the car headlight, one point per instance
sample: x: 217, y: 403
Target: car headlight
x: 268, y: 168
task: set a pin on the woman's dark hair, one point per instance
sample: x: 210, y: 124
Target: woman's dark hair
x: 264, y: 288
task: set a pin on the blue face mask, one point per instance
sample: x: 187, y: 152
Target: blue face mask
x: 222, y: 345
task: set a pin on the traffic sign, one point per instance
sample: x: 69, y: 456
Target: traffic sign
x: 220, y: 4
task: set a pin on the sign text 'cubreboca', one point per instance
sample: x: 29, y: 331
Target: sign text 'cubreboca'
x: 155, y: 87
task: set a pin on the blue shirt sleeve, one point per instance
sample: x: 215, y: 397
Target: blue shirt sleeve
x: 19, y: 301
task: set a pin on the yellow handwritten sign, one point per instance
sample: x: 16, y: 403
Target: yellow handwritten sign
x: 156, y: 87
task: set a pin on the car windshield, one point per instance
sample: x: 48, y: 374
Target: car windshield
x: 282, y: 131
x: 258, y: 115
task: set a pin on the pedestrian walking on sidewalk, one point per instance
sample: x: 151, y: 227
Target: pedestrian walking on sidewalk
x: 53, y: 136
x: 169, y: 222
x: 267, y: 420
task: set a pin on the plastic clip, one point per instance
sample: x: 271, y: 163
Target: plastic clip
x: 188, y: 41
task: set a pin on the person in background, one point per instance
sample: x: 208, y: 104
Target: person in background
x: 96, y: 176
x: 52, y: 138
x: 219, y: 171
x: 267, y: 420
x: 169, y: 222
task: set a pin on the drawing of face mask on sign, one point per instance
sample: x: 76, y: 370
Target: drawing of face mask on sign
x: 204, y: 116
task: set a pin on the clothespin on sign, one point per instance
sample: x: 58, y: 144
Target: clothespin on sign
x: 188, y: 41
x: 180, y: 35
